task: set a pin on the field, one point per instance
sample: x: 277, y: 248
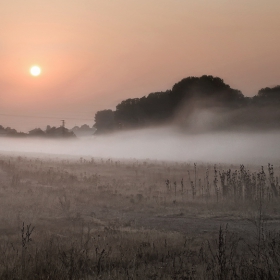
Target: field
x: 94, y: 218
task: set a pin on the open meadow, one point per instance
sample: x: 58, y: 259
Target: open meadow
x: 139, y: 140
x: 73, y: 217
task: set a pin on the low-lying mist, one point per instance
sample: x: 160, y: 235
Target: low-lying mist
x: 167, y: 143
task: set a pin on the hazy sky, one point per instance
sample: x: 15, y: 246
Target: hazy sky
x: 95, y: 53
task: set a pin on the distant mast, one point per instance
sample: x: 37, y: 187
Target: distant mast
x: 63, y: 127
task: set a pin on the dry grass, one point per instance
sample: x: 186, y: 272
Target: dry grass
x: 111, y: 219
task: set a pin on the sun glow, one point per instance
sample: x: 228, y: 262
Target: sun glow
x: 35, y: 70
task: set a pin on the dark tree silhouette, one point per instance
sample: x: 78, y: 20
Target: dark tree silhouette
x: 160, y: 107
x: 104, y: 121
x: 153, y: 109
x: 268, y: 97
x: 205, y: 88
x: 58, y: 132
x: 36, y: 132
x: 178, y: 104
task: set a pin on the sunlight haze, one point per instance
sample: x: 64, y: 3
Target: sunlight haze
x: 96, y: 53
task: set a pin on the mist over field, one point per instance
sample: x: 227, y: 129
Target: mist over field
x: 139, y: 140
x: 160, y: 144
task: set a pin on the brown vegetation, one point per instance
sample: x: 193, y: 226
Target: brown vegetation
x: 109, y: 219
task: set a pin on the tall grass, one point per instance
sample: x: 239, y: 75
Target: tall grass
x: 87, y: 214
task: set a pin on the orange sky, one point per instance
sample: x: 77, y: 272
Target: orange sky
x: 95, y: 53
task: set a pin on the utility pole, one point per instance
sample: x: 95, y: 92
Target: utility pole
x: 63, y: 127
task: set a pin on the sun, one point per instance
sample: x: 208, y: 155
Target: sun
x: 35, y: 70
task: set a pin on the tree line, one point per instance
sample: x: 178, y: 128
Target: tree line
x: 205, y: 92
x: 49, y: 132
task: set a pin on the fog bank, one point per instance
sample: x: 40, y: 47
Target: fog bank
x: 160, y: 144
